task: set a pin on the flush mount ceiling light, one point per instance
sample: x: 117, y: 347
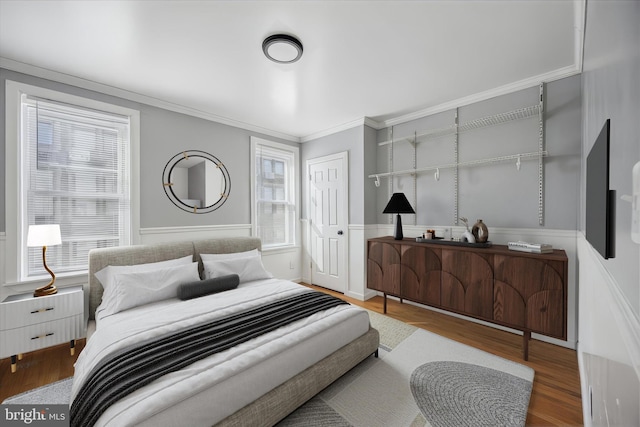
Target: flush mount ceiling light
x: 282, y: 48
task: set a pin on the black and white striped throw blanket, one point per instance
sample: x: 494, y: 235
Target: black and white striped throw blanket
x: 133, y: 367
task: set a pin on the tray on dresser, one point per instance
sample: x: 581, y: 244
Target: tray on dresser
x: 440, y: 241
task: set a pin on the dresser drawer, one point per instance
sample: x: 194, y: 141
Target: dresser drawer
x: 34, y: 337
x: 16, y: 313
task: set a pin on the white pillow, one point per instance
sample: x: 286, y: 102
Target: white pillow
x: 105, y: 276
x: 247, y: 268
x: 132, y: 289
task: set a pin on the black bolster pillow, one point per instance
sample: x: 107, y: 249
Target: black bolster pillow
x: 208, y: 286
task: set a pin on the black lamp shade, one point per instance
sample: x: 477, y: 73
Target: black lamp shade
x: 398, y: 204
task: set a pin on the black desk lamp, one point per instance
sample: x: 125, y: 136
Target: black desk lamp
x: 398, y: 204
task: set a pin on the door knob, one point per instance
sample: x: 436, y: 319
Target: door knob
x: 339, y: 232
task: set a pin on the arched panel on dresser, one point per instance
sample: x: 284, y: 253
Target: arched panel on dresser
x: 474, y: 272
x: 421, y: 274
x: 536, y: 283
x: 383, y: 268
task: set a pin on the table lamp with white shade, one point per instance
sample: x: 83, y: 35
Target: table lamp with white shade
x: 45, y: 235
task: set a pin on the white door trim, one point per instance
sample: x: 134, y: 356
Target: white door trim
x: 344, y: 157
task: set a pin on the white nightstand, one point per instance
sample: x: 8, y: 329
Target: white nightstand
x: 28, y: 323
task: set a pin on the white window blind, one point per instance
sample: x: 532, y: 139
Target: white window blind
x: 275, y: 203
x: 75, y: 173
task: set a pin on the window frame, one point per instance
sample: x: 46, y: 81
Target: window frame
x: 15, y: 224
x: 294, y: 183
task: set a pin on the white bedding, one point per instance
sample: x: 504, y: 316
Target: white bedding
x: 211, y: 389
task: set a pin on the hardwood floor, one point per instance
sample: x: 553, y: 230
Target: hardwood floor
x: 555, y: 400
x: 556, y: 397
x: 37, y: 368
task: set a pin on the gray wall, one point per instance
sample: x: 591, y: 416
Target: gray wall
x: 498, y: 193
x: 611, y: 90
x: 370, y: 167
x: 164, y: 134
x: 352, y: 141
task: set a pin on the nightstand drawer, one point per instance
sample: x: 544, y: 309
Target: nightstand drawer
x: 34, y: 337
x: 23, y: 312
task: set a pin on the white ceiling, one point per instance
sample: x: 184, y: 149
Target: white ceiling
x: 384, y: 60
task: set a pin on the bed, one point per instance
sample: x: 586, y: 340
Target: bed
x: 257, y: 380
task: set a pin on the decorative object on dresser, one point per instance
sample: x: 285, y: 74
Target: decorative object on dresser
x: 522, y: 291
x: 480, y: 231
x: 533, y: 248
x: 45, y: 235
x: 467, y: 236
x: 29, y: 323
x: 398, y: 204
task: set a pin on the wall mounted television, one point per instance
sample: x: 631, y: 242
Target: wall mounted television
x: 600, y: 207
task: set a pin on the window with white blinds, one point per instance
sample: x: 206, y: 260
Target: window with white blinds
x: 275, y: 208
x: 75, y: 166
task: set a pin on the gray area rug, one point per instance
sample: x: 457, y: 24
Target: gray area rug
x: 57, y: 393
x: 420, y: 379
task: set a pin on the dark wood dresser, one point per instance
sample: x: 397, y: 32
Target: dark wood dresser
x: 519, y: 290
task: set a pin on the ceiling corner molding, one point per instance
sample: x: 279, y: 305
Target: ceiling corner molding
x: 349, y: 125
x: 579, y: 25
x: 373, y: 124
x: 557, y: 74
x: 71, y: 80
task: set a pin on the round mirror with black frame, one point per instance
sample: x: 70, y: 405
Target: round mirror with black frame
x: 196, y: 181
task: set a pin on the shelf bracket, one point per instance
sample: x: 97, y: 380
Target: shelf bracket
x: 541, y: 151
x: 456, y: 160
x: 415, y: 177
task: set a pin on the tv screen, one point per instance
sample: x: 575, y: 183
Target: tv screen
x: 600, y: 199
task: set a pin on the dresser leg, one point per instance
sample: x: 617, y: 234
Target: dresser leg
x: 384, y: 304
x: 13, y: 363
x: 19, y: 356
x: 526, y: 336
x: 72, y: 349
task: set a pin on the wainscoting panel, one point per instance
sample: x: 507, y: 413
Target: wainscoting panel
x: 3, y: 279
x: 149, y: 236
x: 305, y: 255
x: 283, y: 263
x: 357, y: 286
x: 608, y: 346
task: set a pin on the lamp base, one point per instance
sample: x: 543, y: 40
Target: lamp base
x: 397, y: 233
x: 48, y: 289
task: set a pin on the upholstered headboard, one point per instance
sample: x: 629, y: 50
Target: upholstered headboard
x: 142, y: 254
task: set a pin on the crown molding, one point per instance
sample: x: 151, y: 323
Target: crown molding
x: 580, y: 19
x: 557, y: 74
x: 364, y: 121
x: 71, y: 80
